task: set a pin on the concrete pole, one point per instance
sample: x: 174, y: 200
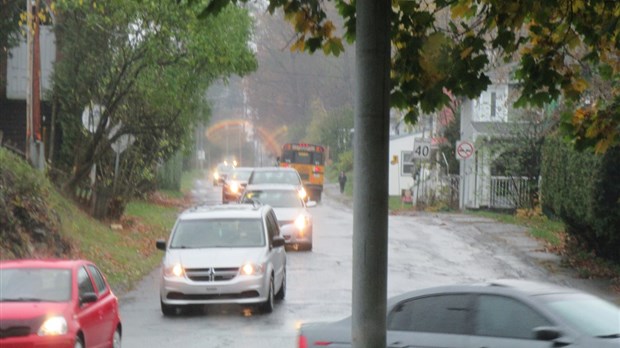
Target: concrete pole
x: 371, y: 165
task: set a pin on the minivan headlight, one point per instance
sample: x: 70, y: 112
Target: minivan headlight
x: 175, y: 270
x: 302, y: 193
x: 251, y: 269
x: 53, y: 326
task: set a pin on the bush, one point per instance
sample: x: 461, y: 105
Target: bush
x: 583, y: 190
x: 345, y: 161
x: 169, y: 174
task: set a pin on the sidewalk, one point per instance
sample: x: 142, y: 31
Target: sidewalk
x: 331, y: 191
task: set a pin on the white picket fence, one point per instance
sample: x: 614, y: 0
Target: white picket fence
x: 504, y: 192
x: 508, y: 192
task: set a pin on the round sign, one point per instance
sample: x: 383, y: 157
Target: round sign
x: 464, y: 150
x: 91, y: 117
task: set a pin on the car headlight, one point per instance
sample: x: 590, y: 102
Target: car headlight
x: 175, y: 270
x: 234, y: 187
x: 252, y: 269
x: 216, y: 176
x: 301, y: 222
x: 302, y: 193
x: 53, y: 326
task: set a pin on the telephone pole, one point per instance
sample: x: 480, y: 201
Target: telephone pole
x: 34, y: 144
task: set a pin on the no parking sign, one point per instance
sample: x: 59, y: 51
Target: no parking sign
x: 464, y: 150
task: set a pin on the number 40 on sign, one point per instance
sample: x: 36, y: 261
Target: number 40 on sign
x: 421, y: 149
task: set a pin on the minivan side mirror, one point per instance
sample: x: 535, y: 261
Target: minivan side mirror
x: 160, y: 244
x: 277, y: 241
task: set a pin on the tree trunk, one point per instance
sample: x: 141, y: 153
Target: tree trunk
x: 371, y: 153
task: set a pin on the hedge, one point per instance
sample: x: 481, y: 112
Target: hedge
x: 583, y: 189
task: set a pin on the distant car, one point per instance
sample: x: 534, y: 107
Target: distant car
x: 291, y: 210
x: 223, y: 254
x: 278, y: 175
x: 221, y: 172
x: 57, y: 303
x: 235, y: 184
x: 505, y: 313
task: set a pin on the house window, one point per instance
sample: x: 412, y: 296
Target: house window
x: 406, y: 163
x: 493, y: 104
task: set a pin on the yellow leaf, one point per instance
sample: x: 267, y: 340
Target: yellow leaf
x: 603, y: 144
x: 578, y: 5
x: 328, y: 28
x: 299, y: 45
x: 459, y: 10
x: 466, y: 52
x: 580, y: 85
x: 579, y: 116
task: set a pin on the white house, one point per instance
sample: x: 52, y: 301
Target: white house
x: 401, y: 163
x: 482, y: 119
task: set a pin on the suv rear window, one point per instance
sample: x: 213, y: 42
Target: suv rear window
x: 275, y: 177
x: 218, y: 233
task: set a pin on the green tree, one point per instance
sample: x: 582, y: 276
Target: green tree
x: 148, y: 64
x: 518, y: 151
x: 331, y: 128
x: 10, y: 11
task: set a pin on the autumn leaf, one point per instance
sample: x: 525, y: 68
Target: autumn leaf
x: 299, y: 45
x: 459, y: 11
x: 466, y: 52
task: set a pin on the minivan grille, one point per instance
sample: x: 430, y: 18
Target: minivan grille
x: 211, y: 274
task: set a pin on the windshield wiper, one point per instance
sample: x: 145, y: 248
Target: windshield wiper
x: 615, y: 335
x: 20, y: 299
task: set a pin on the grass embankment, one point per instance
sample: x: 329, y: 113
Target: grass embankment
x: 37, y: 221
x: 126, y: 255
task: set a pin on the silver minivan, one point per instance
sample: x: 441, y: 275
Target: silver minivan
x: 223, y: 254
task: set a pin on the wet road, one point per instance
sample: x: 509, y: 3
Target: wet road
x: 424, y: 250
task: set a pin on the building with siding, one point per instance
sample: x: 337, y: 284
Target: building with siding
x: 14, y: 88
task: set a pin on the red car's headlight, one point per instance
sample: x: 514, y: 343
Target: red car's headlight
x: 53, y: 326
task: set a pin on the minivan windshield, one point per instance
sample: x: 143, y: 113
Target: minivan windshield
x: 218, y: 233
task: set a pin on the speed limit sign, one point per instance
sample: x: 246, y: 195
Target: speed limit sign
x: 421, y: 149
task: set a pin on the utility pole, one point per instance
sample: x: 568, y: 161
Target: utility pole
x: 29, y: 41
x: 34, y: 151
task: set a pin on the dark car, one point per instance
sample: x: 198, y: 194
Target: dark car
x: 504, y: 313
x: 57, y: 303
x: 235, y: 183
x: 221, y: 172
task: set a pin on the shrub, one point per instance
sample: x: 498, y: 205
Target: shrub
x: 345, y: 161
x: 584, y: 191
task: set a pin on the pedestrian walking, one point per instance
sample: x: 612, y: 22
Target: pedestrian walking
x: 342, y: 179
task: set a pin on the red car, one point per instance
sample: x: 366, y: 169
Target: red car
x: 57, y: 303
